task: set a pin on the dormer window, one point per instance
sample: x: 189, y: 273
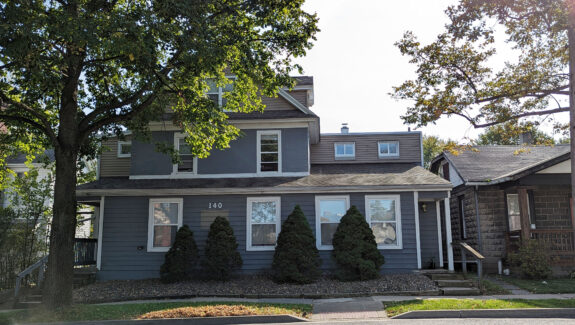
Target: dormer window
x: 344, y: 150
x: 269, y: 151
x: 216, y: 93
x: 388, y: 149
x: 124, y: 149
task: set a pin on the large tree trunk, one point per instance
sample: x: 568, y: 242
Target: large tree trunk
x: 59, y: 278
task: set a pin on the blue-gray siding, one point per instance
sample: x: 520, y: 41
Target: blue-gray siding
x: 124, y: 254
x: 240, y: 157
x: 428, y: 233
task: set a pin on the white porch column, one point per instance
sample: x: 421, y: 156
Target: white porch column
x: 450, y: 266
x: 100, y: 237
x: 417, y: 239
x: 439, y: 237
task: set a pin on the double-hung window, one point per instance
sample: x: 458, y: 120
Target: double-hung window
x: 344, y: 150
x: 328, y: 213
x: 388, y: 149
x: 513, y: 214
x: 263, y: 223
x: 269, y: 152
x: 383, y: 214
x: 188, y: 162
x: 165, y: 218
x: 216, y: 93
x: 124, y: 149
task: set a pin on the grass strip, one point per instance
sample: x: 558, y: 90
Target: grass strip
x: 153, y: 310
x: 399, y: 307
x: 544, y: 286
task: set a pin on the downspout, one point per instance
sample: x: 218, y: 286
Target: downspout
x: 477, y: 219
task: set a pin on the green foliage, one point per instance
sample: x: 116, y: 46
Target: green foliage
x: 25, y: 222
x: 354, y: 248
x: 533, y: 259
x: 221, y: 252
x: 509, y: 134
x: 296, y: 258
x: 182, y: 257
x: 433, y: 146
x: 456, y: 75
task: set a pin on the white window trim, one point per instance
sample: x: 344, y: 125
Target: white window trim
x: 398, y: 228
x: 251, y: 200
x: 180, y: 203
x: 177, y: 137
x: 344, y: 155
x: 317, y: 217
x: 259, y: 152
x: 380, y: 155
x: 220, y: 92
x: 124, y: 155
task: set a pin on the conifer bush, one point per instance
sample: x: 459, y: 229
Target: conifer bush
x: 354, y: 248
x: 296, y: 258
x: 221, y: 252
x: 182, y: 257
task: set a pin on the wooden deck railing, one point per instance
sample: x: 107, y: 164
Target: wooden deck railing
x: 560, y: 242
x: 85, y: 251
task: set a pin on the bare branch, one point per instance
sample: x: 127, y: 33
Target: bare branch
x: 514, y: 117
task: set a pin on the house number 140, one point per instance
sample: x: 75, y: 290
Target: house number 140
x: 215, y: 205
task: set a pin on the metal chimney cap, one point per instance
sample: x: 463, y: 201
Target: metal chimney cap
x: 344, y: 128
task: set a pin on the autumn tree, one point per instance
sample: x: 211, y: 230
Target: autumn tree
x: 72, y: 69
x: 456, y: 74
x: 510, y: 134
x: 433, y: 146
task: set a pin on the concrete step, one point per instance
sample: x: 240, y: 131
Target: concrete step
x: 450, y: 291
x: 455, y: 283
x: 446, y: 276
x: 26, y: 304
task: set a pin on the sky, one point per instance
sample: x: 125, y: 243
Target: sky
x: 355, y: 64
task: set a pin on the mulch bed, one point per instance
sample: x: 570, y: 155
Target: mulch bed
x: 250, y: 287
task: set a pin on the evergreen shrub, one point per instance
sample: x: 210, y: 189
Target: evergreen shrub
x: 354, y: 248
x: 181, y: 259
x: 221, y: 252
x: 296, y: 258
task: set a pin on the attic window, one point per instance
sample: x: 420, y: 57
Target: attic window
x: 124, y: 149
x: 344, y: 150
x: 388, y: 149
x: 216, y: 93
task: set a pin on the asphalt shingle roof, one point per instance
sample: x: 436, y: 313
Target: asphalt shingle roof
x: 488, y: 163
x: 414, y: 176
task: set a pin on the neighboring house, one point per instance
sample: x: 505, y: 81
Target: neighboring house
x: 280, y: 161
x: 504, y: 193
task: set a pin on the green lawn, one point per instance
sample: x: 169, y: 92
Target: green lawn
x: 490, y: 288
x: 549, y: 286
x: 135, y: 311
x: 400, y: 307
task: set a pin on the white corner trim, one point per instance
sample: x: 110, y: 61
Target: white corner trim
x: 439, y: 237
x: 417, y: 233
x: 100, y: 232
x: 259, y: 152
x: 277, y: 223
x: 450, y: 266
x: 119, y: 152
x: 319, y: 198
x: 398, y: 227
x: 180, y: 202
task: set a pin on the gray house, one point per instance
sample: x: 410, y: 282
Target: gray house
x: 281, y: 160
x: 505, y: 194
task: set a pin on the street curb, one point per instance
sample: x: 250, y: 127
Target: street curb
x: 274, y: 296
x: 490, y: 313
x: 260, y: 319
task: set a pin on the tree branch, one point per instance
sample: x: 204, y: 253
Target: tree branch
x: 536, y: 113
x: 532, y: 93
x: 30, y: 122
x: 45, y: 125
